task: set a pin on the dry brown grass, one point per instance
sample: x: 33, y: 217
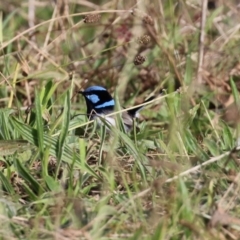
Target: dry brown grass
x: 176, y: 179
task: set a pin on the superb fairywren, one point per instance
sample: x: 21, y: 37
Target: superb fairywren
x: 100, y: 103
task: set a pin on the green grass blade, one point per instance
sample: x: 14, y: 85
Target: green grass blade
x: 9, y: 147
x: 52, y: 184
x: 64, y: 131
x: 49, y: 91
x: 6, y: 184
x: 30, y: 135
x: 39, y: 119
x: 64, y: 128
x: 235, y: 92
x: 24, y: 173
x: 4, y: 123
x: 68, y: 155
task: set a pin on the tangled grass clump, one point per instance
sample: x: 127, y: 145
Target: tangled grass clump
x: 175, y: 176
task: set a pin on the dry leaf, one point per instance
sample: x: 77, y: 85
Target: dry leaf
x: 220, y: 217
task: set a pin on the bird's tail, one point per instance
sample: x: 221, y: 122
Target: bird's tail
x: 132, y: 112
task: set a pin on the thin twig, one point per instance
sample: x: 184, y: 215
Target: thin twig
x: 122, y: 206
x: 227, y: 193
x: 194, y: 169
x: 47, y: 38
x: 201, y: 43
x: 31, y: 16
x: 5, y: 44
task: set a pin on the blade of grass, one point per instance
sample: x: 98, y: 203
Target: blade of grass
x: 1, y: 29
x: 44, y: 153
x: 64, y: 131
x: 237, y: 101
x: 13, y: 86
x: 4, y: 116
x: 6, y: 184
x: 69, y: 156
x: 25, y: 174
x: 9, y: 147
x: 39, y: 119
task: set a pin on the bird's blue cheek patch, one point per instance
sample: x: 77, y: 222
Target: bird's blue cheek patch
x: 110, y: 103
x: 93, y: 98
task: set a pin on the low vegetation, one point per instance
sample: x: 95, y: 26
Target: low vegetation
x: 175, y: 176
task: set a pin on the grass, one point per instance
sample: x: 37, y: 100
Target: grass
x: 175, y: 176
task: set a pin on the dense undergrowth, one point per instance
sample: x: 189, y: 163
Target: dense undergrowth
x: 175, y: 176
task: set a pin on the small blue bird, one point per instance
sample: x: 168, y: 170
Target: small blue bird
x: 100, y: 103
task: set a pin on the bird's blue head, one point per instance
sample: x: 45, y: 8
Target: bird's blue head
x: 98, y: 100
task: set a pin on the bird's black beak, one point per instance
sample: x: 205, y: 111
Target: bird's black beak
x: 81, y: 92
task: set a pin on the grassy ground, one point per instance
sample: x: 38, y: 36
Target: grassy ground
x: 176, y: 177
